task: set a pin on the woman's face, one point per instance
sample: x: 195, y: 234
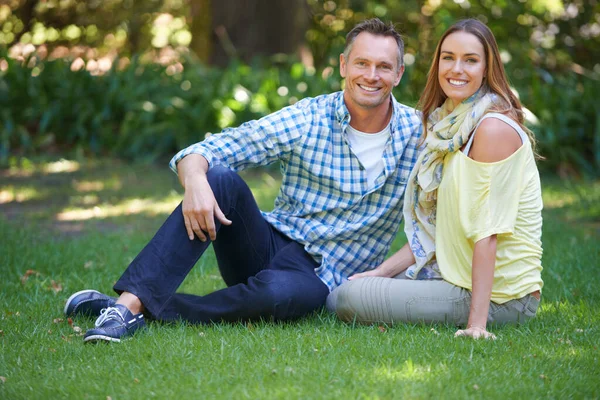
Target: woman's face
x: 462, y: 66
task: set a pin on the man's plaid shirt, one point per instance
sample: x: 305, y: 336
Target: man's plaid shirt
x: 324, y: 201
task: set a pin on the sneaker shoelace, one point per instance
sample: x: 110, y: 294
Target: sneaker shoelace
x: 107, y: 314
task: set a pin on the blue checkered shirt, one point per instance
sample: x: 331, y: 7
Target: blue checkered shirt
x: 324, y: 201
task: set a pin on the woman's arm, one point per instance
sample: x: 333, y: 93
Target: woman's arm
x: 494, y: 140
x: 482, y: 275
x: 394, y: 265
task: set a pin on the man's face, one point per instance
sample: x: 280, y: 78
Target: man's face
x: 371, y: 71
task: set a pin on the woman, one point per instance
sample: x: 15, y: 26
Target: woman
x: 472, y: 205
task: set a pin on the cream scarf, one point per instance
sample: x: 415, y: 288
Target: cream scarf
x: 447, y: 133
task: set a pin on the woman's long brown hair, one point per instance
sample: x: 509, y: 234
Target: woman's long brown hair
x: 495, y: 79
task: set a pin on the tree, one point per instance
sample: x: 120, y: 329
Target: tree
x: 227, y: 29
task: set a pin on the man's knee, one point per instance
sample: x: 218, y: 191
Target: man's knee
x: 288, y: 296
x: 219, y: 173
x: 226, y: 184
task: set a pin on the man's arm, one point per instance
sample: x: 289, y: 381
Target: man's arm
x: 200, y: 207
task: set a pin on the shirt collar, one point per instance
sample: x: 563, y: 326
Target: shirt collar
x: 343, y: 115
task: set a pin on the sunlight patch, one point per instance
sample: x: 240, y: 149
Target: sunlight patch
x: 19, y: 195
x: 61, y: 166
x: 127, y: 207
x: 408, y: 371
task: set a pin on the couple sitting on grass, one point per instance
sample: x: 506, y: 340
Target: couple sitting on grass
x: 355, y: 163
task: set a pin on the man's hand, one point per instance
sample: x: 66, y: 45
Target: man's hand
x: 200, y: 209
x: 475, y: 332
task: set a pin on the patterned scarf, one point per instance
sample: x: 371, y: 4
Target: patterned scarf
x: 447, y: 133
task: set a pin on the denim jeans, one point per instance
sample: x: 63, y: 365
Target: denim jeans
x: 268, y: 275
x: 390, y: 300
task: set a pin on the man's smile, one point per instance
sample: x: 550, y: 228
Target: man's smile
x: 368, y: 88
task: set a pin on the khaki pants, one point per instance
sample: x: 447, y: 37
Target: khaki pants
x: 389, y: 300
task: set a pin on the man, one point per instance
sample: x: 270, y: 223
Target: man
x: 345, y: 160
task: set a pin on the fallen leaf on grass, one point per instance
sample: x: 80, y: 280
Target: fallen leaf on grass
x: 56, y: 286
x: 88, y: 264
x: 476, y: 387
x: 2, y: 379
x: 77, y: 329
x: 381, y: 329
x: 28, y: 273
x: 52, y: 350
x: 543, y: 376
x: 70, y: 321
x: 57, y: 320
x: 136, y: 380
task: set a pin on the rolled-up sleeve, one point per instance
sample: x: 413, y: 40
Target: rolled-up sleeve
x: 254, y: 143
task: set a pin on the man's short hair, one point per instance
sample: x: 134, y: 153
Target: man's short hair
x: 376, y: 27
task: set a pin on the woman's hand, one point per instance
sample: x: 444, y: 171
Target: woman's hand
x: 391, y: 267
x: 374, y: 272
x: 475, y: 332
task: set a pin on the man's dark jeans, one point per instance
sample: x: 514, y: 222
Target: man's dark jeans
x: 268, y: 275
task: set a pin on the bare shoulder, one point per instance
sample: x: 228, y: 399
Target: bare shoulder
x: 494, y: 141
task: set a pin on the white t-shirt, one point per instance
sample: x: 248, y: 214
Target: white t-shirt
x: 368, y: 148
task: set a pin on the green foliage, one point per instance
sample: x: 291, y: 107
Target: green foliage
x: 143, y: 111
x: 549, y: 50
x: 568, y: 126
x: 146, y: 111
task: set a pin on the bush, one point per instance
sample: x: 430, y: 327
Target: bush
x: 568, y: 121
x: 146, y: 111
x: 143, y: 111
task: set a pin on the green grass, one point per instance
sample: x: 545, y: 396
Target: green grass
x: 77, y: 226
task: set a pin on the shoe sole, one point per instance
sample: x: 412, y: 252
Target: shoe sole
x: 75, y: 295
x: 100, y: 338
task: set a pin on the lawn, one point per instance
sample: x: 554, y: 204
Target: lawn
x: 67, y: 226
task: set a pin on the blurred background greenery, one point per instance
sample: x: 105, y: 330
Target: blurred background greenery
x: 142, y: 79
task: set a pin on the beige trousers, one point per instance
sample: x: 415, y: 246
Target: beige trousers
x: 390, y: 300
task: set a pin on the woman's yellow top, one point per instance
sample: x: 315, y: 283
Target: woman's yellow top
x: 477, y: 200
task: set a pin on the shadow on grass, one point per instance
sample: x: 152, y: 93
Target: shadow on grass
x: 70, y: 198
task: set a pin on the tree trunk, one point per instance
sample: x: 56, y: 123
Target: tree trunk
x: 246, y: 28
x: 201, y: 29
x: 25, y: 14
